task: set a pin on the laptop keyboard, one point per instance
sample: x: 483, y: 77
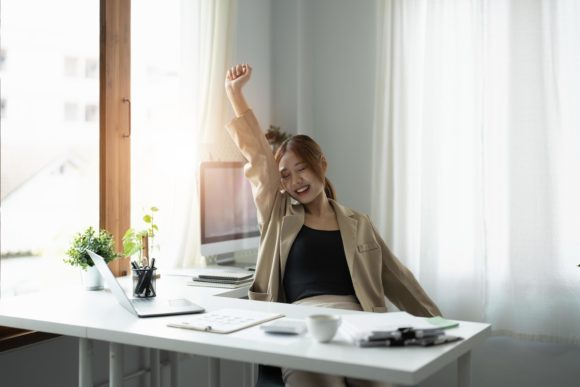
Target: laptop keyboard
x: 142, y: 300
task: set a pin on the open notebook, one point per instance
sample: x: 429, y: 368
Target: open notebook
x: 224, y: 320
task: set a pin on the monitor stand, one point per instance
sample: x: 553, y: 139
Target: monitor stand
x: 225, y: 259
x: 229, y: 260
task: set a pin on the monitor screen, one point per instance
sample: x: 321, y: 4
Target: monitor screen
x: 229, y: 220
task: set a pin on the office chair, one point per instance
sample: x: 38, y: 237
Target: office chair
x: 269, y: 376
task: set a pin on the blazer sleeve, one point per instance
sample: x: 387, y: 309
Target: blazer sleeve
x: 400, y: 285
x: 261, y: 169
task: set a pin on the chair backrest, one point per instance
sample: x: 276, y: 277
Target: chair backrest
x: 269, y: 376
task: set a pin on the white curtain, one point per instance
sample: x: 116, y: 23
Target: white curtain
x: 477, y: 157
x: 180, y: 52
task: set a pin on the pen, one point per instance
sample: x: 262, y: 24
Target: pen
x: 420, y: 333
x: 383, y: 335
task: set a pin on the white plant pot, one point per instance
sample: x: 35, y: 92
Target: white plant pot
x: 92, y: 279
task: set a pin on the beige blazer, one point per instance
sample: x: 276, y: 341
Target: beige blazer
x: 374, y: 270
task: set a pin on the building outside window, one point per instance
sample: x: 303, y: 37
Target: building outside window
x: 50, y: 145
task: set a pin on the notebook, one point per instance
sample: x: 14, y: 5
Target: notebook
x: 223, y: 275
x: 143, y: 307
x: 222, y: 279
x: 225, y: 320
x: 224, y: 285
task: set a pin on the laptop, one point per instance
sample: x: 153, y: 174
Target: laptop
x: 143, y: 307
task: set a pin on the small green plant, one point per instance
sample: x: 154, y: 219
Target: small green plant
x: 133, y: 239
x: 276, y: 137
x: 101, y: 243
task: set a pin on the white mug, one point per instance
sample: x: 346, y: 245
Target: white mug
x: 323, y: 327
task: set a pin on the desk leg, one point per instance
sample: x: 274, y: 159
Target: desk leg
x: 249, y: 374
x: 85, y: 362
x: 115, y: 365
x: 464, y: 370
x: 174, y: 368
x: 155, y: 363
x: 214, y: 372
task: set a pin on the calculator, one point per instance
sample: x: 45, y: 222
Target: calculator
x: 285, y: 326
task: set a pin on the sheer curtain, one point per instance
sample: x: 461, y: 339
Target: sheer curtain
x: 180, y: 53
x: 477, y: 155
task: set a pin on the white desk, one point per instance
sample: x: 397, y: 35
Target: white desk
x: 97, y: 316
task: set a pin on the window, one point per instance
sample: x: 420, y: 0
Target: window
x: 71, y: 66
x: 71, y: 111
x: 91, y: 113
x: 50, y: 155
x: 91, y: 68
x: 2, y: 59
x: 164, y: 88
x: 480, y: 158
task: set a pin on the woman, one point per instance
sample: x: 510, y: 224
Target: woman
x: 313, y: 250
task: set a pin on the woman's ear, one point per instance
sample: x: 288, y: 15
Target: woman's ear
x: 323, y: 163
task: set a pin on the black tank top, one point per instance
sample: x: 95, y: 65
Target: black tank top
x: 316, y: 265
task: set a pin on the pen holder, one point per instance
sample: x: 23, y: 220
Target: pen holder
x: 144, y: 282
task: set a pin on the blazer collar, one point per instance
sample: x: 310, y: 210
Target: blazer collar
x: 347, y: 224
x: 291, y: 225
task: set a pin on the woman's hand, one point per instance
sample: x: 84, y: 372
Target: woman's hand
x: 237, y: 77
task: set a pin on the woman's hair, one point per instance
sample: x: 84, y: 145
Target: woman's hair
x: 309, y: 151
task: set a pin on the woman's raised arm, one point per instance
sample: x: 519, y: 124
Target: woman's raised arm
x: 261, y: 169
x: 236, y: 78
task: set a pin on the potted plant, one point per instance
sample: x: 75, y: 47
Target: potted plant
x: 101, y: 243
x: 141, y: 241
x: 276, y: 137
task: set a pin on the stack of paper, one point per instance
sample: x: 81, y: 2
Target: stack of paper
x: 384, y: 329
x: 222, y: 279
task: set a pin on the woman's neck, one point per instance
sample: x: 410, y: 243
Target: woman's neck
x: 320, y: 215
x: 319, y: 207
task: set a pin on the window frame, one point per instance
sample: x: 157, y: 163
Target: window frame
x: 115, y: 123
x: 114, y: 143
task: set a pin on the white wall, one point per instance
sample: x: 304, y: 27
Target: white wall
x: 323, y: 65
x: 253, y: 42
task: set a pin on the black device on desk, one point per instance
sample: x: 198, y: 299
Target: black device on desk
x: 229, y: 219
x: 407, y: 336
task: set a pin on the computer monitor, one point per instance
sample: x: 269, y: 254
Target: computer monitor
x: 229, y: 220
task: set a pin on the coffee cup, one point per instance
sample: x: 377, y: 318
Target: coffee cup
x: 323, y: 327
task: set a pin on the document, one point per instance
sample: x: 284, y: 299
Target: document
x: 356, y: 327
x: 224, y: 320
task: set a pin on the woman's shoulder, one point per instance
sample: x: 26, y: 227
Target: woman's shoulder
x: 349, y: 212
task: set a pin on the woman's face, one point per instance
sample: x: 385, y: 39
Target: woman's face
x: 298, y: 179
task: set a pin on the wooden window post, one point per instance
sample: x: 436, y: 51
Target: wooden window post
x: 115, y: 122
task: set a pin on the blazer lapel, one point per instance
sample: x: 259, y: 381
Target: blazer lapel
x: 291, y: 225
x: 348, y: 225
